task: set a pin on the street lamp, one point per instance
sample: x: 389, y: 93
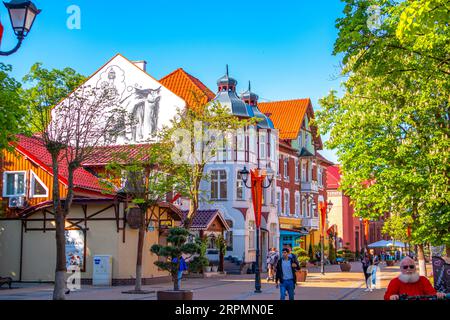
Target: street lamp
x: 22, y: 15
x: 324, y: 208
x: 257, y: 178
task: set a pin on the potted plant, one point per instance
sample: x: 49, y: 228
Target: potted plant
x: 214, y: 268
x: 176, y: 246
x: 345, y: 255
x: 303, y: 258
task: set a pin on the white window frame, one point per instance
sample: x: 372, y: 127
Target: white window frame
x: 304, y: 208
x: 286, y: 202
x: 320, y: 176
x: 279, y: 203
x: 239, y: 184
x: 262, y: 145
x: 5, y: 187
x: 304, y: 174
x: 33, y: 176
x: 296, y: 170
x: 218, y: 181
x: 286, y: 168
x: 308, y: 209
x: 297, y: 204
x: 251, y: 235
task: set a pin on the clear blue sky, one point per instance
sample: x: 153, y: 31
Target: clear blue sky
x: 283, y: 47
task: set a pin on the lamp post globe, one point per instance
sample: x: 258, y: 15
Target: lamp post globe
x: 22, y: 15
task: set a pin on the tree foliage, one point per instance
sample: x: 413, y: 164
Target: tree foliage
x: 12, y: 111
x: 391, y: 126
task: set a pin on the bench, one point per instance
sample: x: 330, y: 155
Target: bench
x: 4, y: 280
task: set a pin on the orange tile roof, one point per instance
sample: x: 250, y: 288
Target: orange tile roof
x: 287, y: 116
x: 187, y: 87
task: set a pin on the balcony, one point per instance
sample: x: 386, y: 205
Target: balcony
x: 311, y: 223
x: 310, y: 186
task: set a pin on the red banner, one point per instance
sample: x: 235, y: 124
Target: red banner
x: 323, y: 215
x: 408, y: 232
x: 257, y: 181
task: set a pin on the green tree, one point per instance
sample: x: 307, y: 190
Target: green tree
x: 12, y: 111
x: 145, y: 182
x: 177, y: 246
x: 197, y: 135
x: 390, y: 128
x: 47, y: 88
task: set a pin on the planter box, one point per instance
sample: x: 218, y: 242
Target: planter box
x: 174, y: 295
x: 390, y: 263
x: 345, y: 267
x: 206, y: 269
x: 301, y: 275
x: 214, y: 268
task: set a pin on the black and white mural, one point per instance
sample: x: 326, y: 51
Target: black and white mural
x: 149, y: 105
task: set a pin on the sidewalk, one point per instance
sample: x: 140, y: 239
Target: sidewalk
x: 334, y: 285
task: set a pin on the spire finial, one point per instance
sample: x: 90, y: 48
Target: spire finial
x: 249, y: 86
x: 227, y: 69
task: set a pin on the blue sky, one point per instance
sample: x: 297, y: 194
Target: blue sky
x: 283, y: 47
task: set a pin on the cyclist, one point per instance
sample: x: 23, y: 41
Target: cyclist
x: 409, y: 282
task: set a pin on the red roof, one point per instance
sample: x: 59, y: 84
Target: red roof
x: 287, y: 116
x: 34, y: 149
x: 323, y: 160
x: 333, y: 177
x: 107, y: 154
x: 187, y: 87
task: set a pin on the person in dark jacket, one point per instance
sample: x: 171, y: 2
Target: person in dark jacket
x: 285, y: 275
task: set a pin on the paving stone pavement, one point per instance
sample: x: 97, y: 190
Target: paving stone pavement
x: 334, y: 285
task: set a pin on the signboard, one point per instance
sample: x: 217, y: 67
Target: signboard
x: 75, y: 248
x: 441, y: 275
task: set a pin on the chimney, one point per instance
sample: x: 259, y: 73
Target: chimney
x: 142, y: 64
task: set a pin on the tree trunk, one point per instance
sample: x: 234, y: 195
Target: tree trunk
x: 421, y: 259
x: 447, y: 250
x: 221, y: 261
x: 141, y: 238
x: 60, y: 270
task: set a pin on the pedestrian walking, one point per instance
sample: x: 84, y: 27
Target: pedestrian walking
x: 271, y: 260
x: 285, y: 274
x: 365, y: 261
x: 372, y: 270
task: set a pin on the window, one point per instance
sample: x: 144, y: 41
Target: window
x: 286, y: 163
x: 304, y: 177
x: 262, y: 145
x: 279, y: 202
x: 218, y: 184
x: 286, y: 203
x: 239, y: 187
x: 308, y: 210
x: 300, y: 140
x: 37, y: 188
x: 273, y: 236
x: 296, y: 170
x: 304, y: 213
x: 280, y: 160
x: 14, y: 183
x: 297, y: 204
x: 251, y: 235
x: 313, y: 206
x: 320, y: 176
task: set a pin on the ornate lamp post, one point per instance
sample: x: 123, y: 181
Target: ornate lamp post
x: 258, y: 176
x: 324, y: 208
x: 22, y: 15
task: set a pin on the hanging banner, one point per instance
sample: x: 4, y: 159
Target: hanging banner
x: 323, y: 215
x: 75, y: 248
x: 257, y: 181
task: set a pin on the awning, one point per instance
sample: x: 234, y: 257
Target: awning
x: 386, y: 244
x: 300, y: 232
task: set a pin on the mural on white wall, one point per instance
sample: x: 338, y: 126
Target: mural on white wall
x: 149, y: 104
